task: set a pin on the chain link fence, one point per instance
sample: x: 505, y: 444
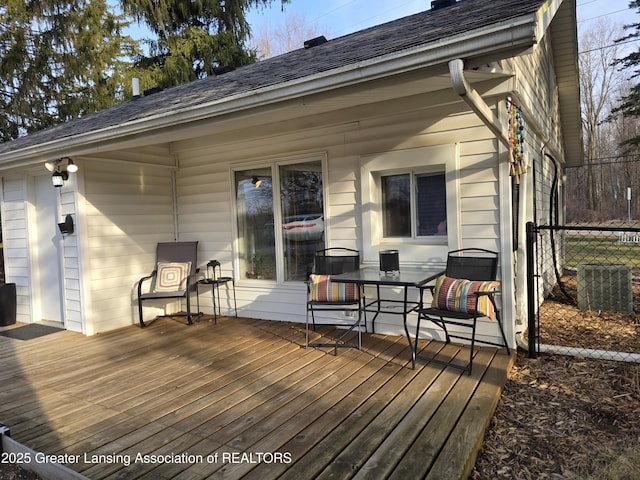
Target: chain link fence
x: 584, y: 291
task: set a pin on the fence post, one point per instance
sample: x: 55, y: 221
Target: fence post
x: 531, y: 289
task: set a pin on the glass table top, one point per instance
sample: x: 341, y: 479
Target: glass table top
x: 405, y: 277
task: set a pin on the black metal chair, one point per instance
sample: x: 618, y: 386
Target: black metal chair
x: 463, y: 294
x: 174, y: 276
x: 328, y: 296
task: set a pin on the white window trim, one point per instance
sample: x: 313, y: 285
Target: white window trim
x: 412, y: 250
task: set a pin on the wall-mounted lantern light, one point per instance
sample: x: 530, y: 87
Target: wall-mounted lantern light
x: 60, y: 172
x: 58, y: 178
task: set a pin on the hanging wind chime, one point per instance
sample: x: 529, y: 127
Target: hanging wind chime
x: 516, y: 140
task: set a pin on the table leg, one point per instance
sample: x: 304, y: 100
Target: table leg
x: 406, y: 327
x: 214, y: 287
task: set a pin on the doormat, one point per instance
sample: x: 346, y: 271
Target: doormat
x: 28, y: 332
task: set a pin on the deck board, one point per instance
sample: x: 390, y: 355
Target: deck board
x: 247, y: 386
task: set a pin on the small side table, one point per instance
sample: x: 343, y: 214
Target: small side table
x: 215, y: 279
x: 215, y: 283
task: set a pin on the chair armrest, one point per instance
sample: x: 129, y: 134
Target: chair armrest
x: 192, y: 279
x: 422, y: 288
x: 143, y: 279
x: 491, y: 295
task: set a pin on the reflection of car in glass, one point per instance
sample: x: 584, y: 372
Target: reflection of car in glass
x: 299, y: 228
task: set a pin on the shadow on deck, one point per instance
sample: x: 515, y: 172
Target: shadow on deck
x: 243, y: 399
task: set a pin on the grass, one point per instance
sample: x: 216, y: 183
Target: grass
x: 623, y: 466
x: 595, y: 249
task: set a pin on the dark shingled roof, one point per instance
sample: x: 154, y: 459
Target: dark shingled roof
x: 392, y: 37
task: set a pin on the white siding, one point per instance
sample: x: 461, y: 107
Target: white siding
x: 205, y: 206
x: 16, y: 244
x: 127, y: 211
x: 538, y: 92
x: 18, y: 235
x: 72, y: 301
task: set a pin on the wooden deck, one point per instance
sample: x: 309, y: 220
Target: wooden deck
x: 244, y: 400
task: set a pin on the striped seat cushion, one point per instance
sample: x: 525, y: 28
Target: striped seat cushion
x: 459, y: 295
x: 324, y: 290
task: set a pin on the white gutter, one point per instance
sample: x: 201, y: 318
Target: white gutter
x: 496, y: 40
x: 472, y: 98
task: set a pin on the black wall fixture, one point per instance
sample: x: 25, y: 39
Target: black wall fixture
x: 66, y: 227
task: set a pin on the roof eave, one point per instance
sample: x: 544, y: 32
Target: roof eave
x: 567, y: 71
x: 496, y: 42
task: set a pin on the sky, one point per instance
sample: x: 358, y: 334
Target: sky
x: 340, y: 17
x: 335, y: 18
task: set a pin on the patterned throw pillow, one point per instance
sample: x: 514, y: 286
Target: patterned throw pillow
x: 171, y: 276
x: 324, y: 290
x: 459, y: 295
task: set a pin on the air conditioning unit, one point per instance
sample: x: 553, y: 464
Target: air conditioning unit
x: 605, y: 287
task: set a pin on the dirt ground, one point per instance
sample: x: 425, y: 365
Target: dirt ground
x: 13, y: 472
x: 568, y: 417
x: 561, y: 417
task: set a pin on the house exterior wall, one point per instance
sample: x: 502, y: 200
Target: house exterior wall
x: 541, y: 197
x: 127, y: 210
x: 16, y: 243
x: 205, y: 191
x: 20, y: 230
x: 73, y: 310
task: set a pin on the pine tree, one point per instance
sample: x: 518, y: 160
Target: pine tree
x: 193, y: 38
x: 58, y: 60
x: 630, y: 103
x: 63, y: 59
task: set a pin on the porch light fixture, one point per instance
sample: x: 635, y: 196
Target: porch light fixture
x: 51, y: 165
x: 58, y: 178
x: 71, y: 167
x: 60, y: 173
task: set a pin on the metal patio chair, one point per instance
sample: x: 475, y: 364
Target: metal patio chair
x: 463, y: 294
x: 173, y: 277
x: 328, y: 296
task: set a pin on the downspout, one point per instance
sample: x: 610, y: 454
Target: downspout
x: 472, y: 98
x: 174, y: 195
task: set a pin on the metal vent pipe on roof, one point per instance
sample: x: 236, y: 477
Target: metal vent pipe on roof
x: 438, y: 4
x: 314, y: 42
x: 135, y: 86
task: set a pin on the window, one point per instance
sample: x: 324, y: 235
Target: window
x: 254, y: 210
x: 410, y: 200
x: 280, y: 219
x: 413, y: 205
